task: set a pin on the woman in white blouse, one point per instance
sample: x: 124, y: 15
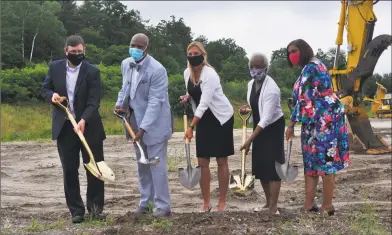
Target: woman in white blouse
x: 267, y: 138
x: 213, y: 119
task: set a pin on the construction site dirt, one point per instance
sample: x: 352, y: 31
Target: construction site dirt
x: 32, y: 196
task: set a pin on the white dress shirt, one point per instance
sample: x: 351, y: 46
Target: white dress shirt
x: 71, y: 78
x: 134, y: 75
x: 212, y: 95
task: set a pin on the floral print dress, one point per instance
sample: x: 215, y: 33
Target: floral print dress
x: 324, y: 132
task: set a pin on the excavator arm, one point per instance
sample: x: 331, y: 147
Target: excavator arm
x: 363, y: 52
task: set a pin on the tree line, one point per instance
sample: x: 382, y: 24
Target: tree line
x: 33, y: 34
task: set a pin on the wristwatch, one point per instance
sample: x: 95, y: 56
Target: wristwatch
x: 192, y: 127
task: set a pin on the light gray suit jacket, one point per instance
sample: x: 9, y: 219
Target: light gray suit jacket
x: 151, y: 107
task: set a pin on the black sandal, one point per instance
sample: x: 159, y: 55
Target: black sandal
x: 330, y: 211
x: 314, y: 208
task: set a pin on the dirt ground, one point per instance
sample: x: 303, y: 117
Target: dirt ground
x: 32, y: 197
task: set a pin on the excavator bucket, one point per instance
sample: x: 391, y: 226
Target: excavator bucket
x: 361, y: 134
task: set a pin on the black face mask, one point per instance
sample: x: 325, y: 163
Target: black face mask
x: 196, y: 60
x: 75, y: 59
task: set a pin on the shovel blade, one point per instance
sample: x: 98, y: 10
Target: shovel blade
x: 189, y: 177
x: 235, y: 181
x: 286, y: 174
x: 280, y: 170
x: 107, y: 173
x: 249, y: 182
x: 292, y: 173
x: 240, y: 189
x: 150, y: 161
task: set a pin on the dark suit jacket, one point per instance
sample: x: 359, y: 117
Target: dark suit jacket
x: 86, y: 101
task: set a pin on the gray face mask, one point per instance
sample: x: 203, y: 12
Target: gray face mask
x: 258, y: 74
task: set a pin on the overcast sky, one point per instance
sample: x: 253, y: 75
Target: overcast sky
x: 264, y: 26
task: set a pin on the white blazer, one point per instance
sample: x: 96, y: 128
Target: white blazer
x: 269, y: 102
x: 212, y: 95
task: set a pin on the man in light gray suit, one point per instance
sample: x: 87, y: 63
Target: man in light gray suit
x: 144, y: 95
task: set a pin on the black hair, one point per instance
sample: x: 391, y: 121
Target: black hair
x: 73, y: 41
x: 306, y: 52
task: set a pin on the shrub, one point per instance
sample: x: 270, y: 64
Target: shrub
x: 176, y: 89
x: 20, y: 85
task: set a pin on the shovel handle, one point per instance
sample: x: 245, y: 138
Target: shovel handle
x: 59, y: 102
x: 129, y: 129
x: 186, y: 127
x: 79, y: 133
x: 245, y: 116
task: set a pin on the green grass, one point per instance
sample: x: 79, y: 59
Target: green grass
x: 368, y: 221
x: 28, y: 122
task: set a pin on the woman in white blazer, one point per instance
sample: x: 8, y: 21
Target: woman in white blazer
x: 267, y: 139
x: 213, y: 119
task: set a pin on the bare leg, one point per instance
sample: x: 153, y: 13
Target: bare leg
x: 266, y: 189
x: 310, y: 190
x: 328, y: 186
x: 223, y: 180
x: 205, y: 179
x: 274, y: 189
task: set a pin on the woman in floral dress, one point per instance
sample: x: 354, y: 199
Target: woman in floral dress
x: 324, y: 136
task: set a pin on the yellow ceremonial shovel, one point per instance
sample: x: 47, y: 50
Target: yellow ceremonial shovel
x: 99, y: 169
x: 242, y: 185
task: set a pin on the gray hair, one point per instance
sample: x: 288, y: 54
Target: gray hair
x: 263, y: 58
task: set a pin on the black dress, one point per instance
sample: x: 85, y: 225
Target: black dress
x: 268, y: 146
x: 212, y: 138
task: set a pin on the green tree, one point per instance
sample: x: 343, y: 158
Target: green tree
x: 69, y: 16
x: 222, y: 49
x: 235, y: 68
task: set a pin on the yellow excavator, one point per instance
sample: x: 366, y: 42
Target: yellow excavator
x: 385, y: 110
x: 381, y: 103
x: 363, y: 52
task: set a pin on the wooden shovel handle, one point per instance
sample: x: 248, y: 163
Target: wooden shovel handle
x: 186, y: 127
x: 129, y: 128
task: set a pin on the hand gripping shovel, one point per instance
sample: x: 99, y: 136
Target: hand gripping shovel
x: 189, y: 177
x: 98, y: 169
x: 143, y: 159
x: 285, y: 171
x: 244, y: 184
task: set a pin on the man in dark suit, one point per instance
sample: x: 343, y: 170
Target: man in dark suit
x: 80, y: 82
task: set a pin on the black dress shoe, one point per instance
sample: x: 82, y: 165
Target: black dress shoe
x: 100, y: 216
x: 142, y: 211
x: 77, y: 219
x: 162, y: 214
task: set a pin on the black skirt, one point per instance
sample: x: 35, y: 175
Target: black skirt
x: 267, y: 148
x: 212, y: 138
